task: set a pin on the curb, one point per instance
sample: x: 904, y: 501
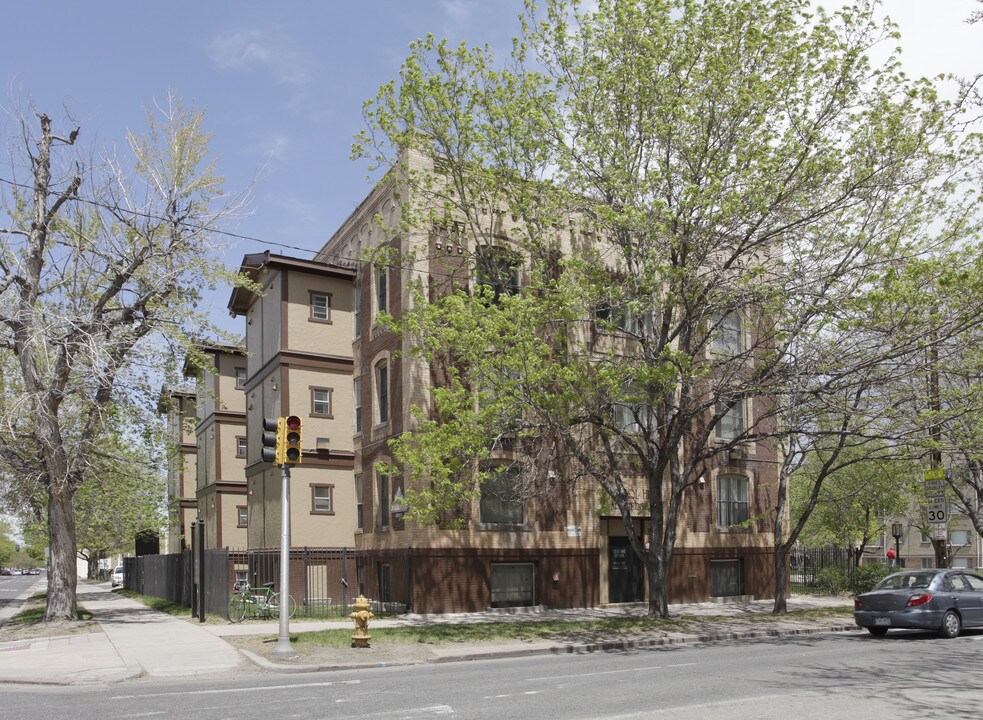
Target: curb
x: 552, y: 649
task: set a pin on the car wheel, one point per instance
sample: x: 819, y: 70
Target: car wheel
x: 877, y: 631
x: 951, y: 625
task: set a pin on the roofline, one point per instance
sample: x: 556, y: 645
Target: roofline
x: 252, y: 264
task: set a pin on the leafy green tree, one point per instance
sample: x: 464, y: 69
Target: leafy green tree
x: 694, y: 193
x: 857, y: 501
x: 8, y: 547
x: 101, y: 270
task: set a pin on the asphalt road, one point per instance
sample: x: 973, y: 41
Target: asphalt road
x: 849, y: 675
x: 13, y: 585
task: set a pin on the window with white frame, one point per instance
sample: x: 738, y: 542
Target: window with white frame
x: 320, y: 306
x: 730, y: 426
x: 322, y: 499
x: 728, y: 333
x: 321, y: 401
x: 501, y: 497
x: 243, y: 515
x: 732, y: 500
x: 240, y: 446
x: 240, y: 378
x: 382, y: 392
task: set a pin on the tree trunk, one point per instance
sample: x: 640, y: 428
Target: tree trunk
x: 781, y: 580
x: 655, y: 572
x: 62, y: 575
x: 92, y: 565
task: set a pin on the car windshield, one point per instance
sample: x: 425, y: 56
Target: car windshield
x: 904, y: 582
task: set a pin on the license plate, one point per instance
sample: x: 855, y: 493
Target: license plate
x: 882, y: 621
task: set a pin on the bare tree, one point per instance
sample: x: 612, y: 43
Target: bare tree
x: 102, y: 269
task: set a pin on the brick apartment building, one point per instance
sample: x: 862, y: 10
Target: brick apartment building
x: 565, y: 552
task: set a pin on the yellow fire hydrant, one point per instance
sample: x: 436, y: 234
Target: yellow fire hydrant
x: 361, y: 616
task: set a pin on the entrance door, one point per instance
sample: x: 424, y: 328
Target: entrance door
x: 625, y: 574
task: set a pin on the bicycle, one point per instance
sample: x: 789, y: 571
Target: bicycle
x: 264, y: 601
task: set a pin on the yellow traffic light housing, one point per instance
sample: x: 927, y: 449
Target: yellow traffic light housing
x: 292, y: 453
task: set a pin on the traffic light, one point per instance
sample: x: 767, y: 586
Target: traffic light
x: 270, y: 436
x: 291, y: 442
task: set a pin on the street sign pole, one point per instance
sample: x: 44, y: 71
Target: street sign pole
x: 284, y: 650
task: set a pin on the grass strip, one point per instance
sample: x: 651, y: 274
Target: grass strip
x: 33, y: 612
x: 558, y: 630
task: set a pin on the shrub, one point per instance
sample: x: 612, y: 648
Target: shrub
x: 866, y: 576
x: 833, y: 581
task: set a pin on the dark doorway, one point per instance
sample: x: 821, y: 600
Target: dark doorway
x: 625, y: 575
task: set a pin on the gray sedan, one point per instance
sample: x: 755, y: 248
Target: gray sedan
x: 945, y: 601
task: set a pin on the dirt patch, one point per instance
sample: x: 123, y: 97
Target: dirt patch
x: 380, y: 653
x: 17, y: 630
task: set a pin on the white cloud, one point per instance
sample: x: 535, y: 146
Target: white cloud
x: 248, y: 49
x: 270, y: 147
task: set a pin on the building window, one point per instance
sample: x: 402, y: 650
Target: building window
x: 357, y: 309
x: 243, y: 513
x: 928, y: 563
x: 240, y: 378
x: 322, y: 499
x: 240, y: 446
x: 382, y: 501
x: 730, y: 426
x: 382, y: 288
x: 725, y: 578
x: 616, y: 314
x: 728, y: 334
x: 320, y: 307
x: 321, y: 402
x: 501, y: 497
x: 498, y: 270
x: 965, y: 564
x: 359, y: 516
x: 512, y: 585
x: 732, y: 500
x: 629, y: 417
x: 382, y: 392
x: 959, y: 537
x: 357, y: 389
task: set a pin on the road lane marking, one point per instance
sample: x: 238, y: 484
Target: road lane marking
x: 592, y: 674
x: 263, y: 688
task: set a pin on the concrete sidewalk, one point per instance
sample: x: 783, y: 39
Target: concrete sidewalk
x: 136, y: 641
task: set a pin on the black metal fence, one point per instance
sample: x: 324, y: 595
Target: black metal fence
x: 806, y: 565
x: 323, y: 581
x: 163, y: 576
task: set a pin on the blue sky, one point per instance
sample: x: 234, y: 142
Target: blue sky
x: 283, y: 83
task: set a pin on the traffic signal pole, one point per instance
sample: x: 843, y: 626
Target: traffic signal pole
x: 284, y: 650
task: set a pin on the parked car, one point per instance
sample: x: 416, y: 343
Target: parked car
x: 944, y: 600
x: 117, y: 577
x: 5, y: 571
